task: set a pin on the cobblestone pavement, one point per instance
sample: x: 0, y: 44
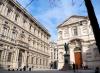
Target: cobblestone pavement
x: 49, y: 71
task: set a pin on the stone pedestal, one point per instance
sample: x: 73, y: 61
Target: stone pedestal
x: 66, y: 63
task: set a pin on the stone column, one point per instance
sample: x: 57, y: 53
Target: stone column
x: 4, y: 56
x: 30, y: 57
x: 34, y: 62
x: 15, y: 58
x: 24, y: 58
x: 42, y: 62
x: 85, y: 49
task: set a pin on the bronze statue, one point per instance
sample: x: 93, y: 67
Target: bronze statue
x: 66, y: 47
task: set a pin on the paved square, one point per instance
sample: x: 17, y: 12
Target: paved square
x: 49, y: 71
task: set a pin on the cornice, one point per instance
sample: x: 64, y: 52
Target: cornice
x: 24, y: 11
x: 85, y: 18
x: 24, y: 29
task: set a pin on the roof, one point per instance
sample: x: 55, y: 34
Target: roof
x: 70, y: 19
x: 24, y: 11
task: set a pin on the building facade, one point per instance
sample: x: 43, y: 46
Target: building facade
x: 77, y: 33
x: 53, y: 55
x: 23, y: 40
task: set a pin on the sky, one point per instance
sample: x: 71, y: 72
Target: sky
x: 51, y: 14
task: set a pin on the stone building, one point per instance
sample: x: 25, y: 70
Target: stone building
x: 76, y: 31
x: 53, y: 55
x: 23, y: 40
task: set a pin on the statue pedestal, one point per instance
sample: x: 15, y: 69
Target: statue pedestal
x: 66, y: 63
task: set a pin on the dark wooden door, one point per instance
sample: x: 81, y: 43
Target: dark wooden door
x: 78, y: 59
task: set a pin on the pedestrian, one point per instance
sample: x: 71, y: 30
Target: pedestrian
x: 30, y: 69
x: 74, y: 67
x: 97, y: 70
x: 51, y: 65
x: 24, y: 68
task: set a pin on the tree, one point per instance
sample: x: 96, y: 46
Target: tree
x: 93, y: 22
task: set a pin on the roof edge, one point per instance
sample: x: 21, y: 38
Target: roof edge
x: 69, y: 18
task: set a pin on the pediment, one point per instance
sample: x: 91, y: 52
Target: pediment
x: 73, y: 19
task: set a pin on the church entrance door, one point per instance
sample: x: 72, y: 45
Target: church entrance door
x: 78, y: 59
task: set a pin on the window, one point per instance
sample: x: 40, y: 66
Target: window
x: 24, y: 21
x: 9, y: 57
x: 30, y: 27
x: 22, y: 34
x: 0, y: 54
x: 27, y: 60
x: 38, y: 32
x: 16, y: 16
x: 14, y: 33
x: 40, y: 61
x: 5, y: 30
x: 9, y: 11
x: 54, y: 56
x: 32, y: 60
x: 34, y: 30
x: 66, y: 32
x: 81, y: 23
x: 60, y: 34
x: 75, y: 31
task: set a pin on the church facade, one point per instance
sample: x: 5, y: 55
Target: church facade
x: 23, y: 40
x: 76, y: 31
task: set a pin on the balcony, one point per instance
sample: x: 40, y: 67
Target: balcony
x: 22, y: 44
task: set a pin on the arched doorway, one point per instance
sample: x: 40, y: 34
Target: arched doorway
x: 78, y: 57
x: 76, y: 47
